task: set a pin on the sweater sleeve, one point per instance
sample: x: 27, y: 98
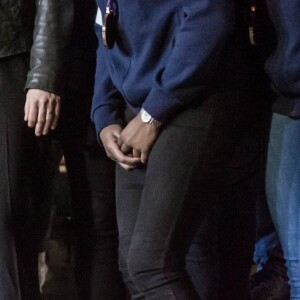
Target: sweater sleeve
x: 107, y: 104
x: 198, y: 46
x: 52, y: 32
x: 283, y: 65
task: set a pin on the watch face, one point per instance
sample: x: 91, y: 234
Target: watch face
x: 145, y: 116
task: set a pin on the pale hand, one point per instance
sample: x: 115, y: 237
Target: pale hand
x: 41, y: 110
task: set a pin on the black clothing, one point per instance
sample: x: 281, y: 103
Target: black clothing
x: 283, y: 64
x: 91, y: 174
x: 33, y: 37
x: 202, y: 205
x: 25, y: 27
x: 188, y: 183
x: 18, y: 256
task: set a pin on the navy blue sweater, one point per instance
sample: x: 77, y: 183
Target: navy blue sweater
x: 165, y: 55
x: 283, y: 66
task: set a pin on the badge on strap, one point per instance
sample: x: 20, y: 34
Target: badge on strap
x: 109, y: 28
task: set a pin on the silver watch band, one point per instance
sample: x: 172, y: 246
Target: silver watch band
x: 147, y: 118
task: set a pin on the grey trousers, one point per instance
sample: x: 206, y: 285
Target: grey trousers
x: 18, y: 258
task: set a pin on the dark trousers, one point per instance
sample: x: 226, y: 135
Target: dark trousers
x: 186, y: 201
x: 221, y: 272
x: 42, y: 188
x: 18, y: 254
x: 92, y: 176
x: 92, y: 183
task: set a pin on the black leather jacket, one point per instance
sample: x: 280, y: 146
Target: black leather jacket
x: 43, y: 28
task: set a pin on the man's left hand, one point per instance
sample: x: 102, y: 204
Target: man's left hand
x: 41, y: 110
x: 138, y: 138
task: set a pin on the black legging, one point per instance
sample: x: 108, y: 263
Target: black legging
x: 180, y: 199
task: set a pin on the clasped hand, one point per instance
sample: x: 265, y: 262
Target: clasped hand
x: 129, y: 147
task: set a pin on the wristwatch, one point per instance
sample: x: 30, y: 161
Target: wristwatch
x: 147, y: 118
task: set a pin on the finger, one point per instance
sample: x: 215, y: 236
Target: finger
x: 127, y: 160
x: 26, y: 111
x: 48, y: 122
x: 125, y: 149
x: 136, y: 153
x: 120, y: 141
x: 41, y: 119
x: 32, y: 114
x: 50, y: 112
x: 126, y: 167
x: 144, y: 157
x: 120, y: 157
x: 56, y: 113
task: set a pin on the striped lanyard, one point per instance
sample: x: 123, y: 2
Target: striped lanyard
x: 253, y: 9
x: 108, y: 7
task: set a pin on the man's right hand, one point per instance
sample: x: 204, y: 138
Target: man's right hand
x: 109, y: 137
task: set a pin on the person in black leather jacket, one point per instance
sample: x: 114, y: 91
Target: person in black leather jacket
x: 33, y: 37
x: 91, y: 174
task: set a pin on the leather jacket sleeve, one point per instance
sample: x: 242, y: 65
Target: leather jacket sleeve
x: 51, y: 35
